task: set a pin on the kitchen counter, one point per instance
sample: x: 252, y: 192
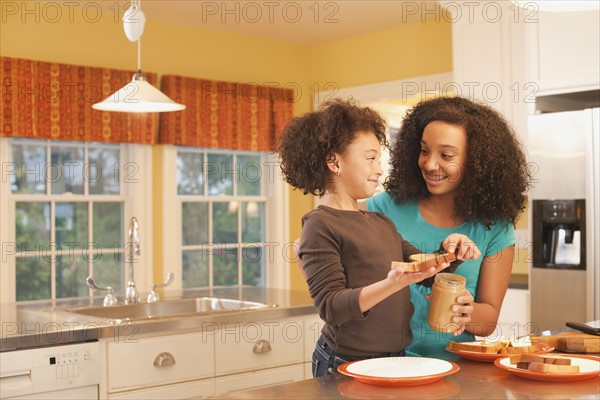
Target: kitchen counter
x: 37, y: 324
x: 475, y: 380
x: 519, y: 281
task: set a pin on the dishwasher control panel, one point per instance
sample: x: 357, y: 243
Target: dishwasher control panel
x: 48, y: 369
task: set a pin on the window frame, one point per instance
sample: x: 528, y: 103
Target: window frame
x: 136, y: 197
x: 276, y: 218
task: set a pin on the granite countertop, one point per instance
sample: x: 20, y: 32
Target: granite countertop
x: 37, y: 324
x: 474, y: 380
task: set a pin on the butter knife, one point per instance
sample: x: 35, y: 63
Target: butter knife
x: 584, y: 328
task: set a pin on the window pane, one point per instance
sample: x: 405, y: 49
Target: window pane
x: 190, y: 174
x: 253, y: 222
x: 195, y: 223
x: 29, y: 165
x: 219, y: 174
x: 225, y: 270
x: 253, y: 266
x: 102, y: 171
x: 71, y: 272
x: 65, y: 172
x: 71, y: 223
x: 32, y: 226
x: 108, y: 225
x: 225, y: 222
x: 249, y: 175
x: 109, y: 271
x: 33, y: 278
x: 195, y: 269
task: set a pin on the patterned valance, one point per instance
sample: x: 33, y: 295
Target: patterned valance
x: 46, y: 100
x: 224, y: 115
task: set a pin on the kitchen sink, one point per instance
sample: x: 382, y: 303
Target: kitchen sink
x: 169, y: 308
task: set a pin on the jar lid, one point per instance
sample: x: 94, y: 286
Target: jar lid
x: 450, y: 280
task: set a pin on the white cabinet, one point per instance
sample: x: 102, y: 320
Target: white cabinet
x: 264, y: 353
x: 312, y: 330
x: 154, y: 361
x: 489, y: 56
x: 258, y: 345
x: 224, y: 359
x: 259, y: 379
x: 565, y: 50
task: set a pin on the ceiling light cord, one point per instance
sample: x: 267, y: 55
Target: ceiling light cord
x: 138, y: 95
x: 139, y: 51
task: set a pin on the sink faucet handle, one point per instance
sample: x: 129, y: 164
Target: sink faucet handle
x: 153, y: 296
x: 109, y: 299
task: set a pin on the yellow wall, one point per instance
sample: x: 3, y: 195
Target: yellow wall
x: 412, y: 50
x: 398, y: 53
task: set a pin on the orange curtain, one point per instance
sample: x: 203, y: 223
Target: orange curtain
x: 224, y: 115
x: 45, y: 100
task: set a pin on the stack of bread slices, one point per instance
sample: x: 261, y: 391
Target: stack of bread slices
x: 521, y: 346
x: 538, y: 363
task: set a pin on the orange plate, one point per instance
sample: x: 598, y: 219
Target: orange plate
x: 442, y: 389
x: 400, y: 364
x: 588, y: 365
x: 491, y: 357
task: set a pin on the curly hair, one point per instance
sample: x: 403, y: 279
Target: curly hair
x: 496, y: 177
x: 307, y: 142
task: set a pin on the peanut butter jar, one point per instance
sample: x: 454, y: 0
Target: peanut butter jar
x: 446, y: 288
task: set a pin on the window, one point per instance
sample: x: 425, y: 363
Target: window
x: 225, y: 229
x: 66, y: 205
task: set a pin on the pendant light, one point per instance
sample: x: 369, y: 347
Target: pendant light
x: 138, y: 95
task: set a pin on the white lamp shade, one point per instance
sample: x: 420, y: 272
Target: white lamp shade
x: 138, y: 96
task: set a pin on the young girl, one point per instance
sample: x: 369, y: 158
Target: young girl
x: 346, y: 253
x: 457, y: 167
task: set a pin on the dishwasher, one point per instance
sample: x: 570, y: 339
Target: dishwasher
x: 55, y: 372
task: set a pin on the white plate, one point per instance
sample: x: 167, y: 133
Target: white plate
x: 398, y: 371
x: 400, y: 367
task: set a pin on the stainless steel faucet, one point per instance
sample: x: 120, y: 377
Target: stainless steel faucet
x: 131, y: 293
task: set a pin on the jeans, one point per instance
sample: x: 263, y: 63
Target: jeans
x: 325, y: 361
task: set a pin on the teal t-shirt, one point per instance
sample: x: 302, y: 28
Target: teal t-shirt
x: 427, y: 238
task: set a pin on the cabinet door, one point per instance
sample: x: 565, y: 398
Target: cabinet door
x: 259, y: 379
x: 568, y: 55
x: 160, y: 360
x: 256, y: 345
x: 189, y: 390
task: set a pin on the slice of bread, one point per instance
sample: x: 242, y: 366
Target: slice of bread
x: 423, y: 261
x: 553, y: 368
x: 478, y: 347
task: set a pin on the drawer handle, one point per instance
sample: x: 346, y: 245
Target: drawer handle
x: 164, y: 360
x: 262, y: 346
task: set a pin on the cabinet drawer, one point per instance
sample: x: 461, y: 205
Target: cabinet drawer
x: 196, y: 389
x: 183, y: 357
x: 256, y: 380
x: 251, y: 346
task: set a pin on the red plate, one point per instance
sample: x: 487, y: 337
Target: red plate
x: 398, y: 371
x: 589, y: 367
x: 491, y: 357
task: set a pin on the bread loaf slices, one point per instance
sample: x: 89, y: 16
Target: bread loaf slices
x: 553, y: 368
x: 423, y: 261
x: 478, y: 347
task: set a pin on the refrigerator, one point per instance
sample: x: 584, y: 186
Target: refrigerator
x: 564, y: 271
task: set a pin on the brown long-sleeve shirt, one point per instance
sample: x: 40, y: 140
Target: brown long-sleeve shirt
x: 343, y: 251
